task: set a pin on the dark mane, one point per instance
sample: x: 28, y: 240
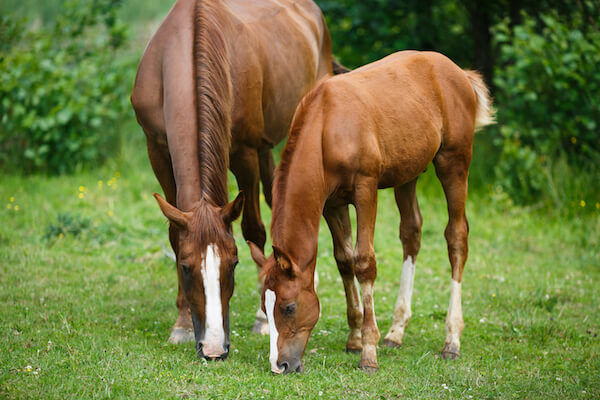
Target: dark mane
x: 282, y: 170
x: 213, y: 101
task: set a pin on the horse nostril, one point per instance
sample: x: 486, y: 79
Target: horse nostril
x: 284, y: 366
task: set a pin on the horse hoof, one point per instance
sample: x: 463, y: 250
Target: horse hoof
x: 260, y: 327
x: 390, y: 343
x: 354, y: 350
x: 181, y: 335
x: 369, y: 368
x: 450, y: 352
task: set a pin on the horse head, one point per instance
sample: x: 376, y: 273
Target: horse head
x: 291, y: 305
x: 206, y: 260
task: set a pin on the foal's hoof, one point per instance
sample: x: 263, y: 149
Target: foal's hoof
x: 450, y: 352
x: 260, y: 327
x: 390, y: 343
x: 181, y: 335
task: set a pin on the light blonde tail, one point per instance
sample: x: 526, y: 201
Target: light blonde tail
x: 485, y: 111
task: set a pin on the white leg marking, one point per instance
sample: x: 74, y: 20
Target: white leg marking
x: 214, y: 335
x: 270, y: 298
x: 454, y: 319
x: 402, y: 309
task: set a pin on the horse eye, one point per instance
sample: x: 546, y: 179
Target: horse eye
x: 185, y: 269
x: 290, y: 309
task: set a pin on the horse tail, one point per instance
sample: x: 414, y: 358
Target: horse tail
x: 214, y: 96
x: 485, y: 114
x: 339, y: 68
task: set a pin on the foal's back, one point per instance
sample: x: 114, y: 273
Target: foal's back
x: 390, y: 118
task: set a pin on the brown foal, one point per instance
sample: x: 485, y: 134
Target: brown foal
x: 376, y: 127
x: 217, y: 87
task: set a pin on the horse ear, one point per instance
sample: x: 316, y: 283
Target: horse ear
x: 233, y: 210
x: 283, y: 260
x: 257, y: 255
x: 176, y: 216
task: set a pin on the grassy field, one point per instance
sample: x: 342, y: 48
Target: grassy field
x: 87, y: 301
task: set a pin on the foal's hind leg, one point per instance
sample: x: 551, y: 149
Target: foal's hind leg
x: 410, y: 235
x: 183, y: 330
x: 341, y: 232
x: 452, y: 169
x: 245, y: 166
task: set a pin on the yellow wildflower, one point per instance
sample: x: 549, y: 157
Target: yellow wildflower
x: 111, y: 213
x: 16, y: 207
x: 494, y: 295
x: 110, y: 182
x: 582, y: 203
x: 598, y: 205
x: 60, y: 235
x: 117, y: 174
x: 100, y: 184
x: 8, y: 206
x: 573, y: 139
x: 82, y: 189
x: 80, y: 195
x: 12, y: 199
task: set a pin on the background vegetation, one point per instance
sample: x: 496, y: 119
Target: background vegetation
x: 88, y: 297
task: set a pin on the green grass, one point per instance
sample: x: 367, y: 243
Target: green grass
x: 90, y: 312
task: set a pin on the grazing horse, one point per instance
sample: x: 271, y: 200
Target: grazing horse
x: 376, y: 127
x: 217, y: 87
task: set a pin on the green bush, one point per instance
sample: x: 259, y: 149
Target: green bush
x: 62, y: 88
x: 547, y: 91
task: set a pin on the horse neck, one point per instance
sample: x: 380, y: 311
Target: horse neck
x: 299, y: 195
x: 213, y: 100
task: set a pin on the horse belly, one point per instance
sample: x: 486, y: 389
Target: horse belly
x: 407, y: 157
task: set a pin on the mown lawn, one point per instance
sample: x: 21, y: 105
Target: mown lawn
x: 87, y: 314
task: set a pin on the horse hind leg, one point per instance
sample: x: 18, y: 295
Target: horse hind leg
x: 410, y: 235
x: 245, y: 166
x: 183, y: 329
x: 338, y: 221
x: 452, y: 170
x: 267, y: 168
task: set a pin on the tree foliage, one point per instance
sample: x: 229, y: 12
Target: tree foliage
x: 63, y: 89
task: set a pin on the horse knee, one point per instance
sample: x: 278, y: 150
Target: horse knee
x: 365, y: 268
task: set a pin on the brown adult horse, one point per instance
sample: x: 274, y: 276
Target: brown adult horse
x: 217, y: 87
x: 376, y: 127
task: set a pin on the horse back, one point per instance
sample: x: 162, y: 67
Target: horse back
x: 389, y: 119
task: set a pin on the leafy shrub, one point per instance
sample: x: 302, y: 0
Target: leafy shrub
x: 547, y: 91
x: 62, y: 88
x: 67, y: 224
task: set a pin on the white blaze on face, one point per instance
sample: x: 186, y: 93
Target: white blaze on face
x: 270, y: 298
x: 214, y: 335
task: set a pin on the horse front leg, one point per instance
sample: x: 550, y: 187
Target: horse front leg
x: 366, y: 269
x: 338, y: 221
x: 245, y: 166
x: 183, y: 329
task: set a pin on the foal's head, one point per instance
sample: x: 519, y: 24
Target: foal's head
x: 206, y: 259
x: 292, y: 307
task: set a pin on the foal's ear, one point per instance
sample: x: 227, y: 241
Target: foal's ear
x: 176, y: 216
x: 283, y: 260
x: 233, y: 210
x: 257, y: 255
